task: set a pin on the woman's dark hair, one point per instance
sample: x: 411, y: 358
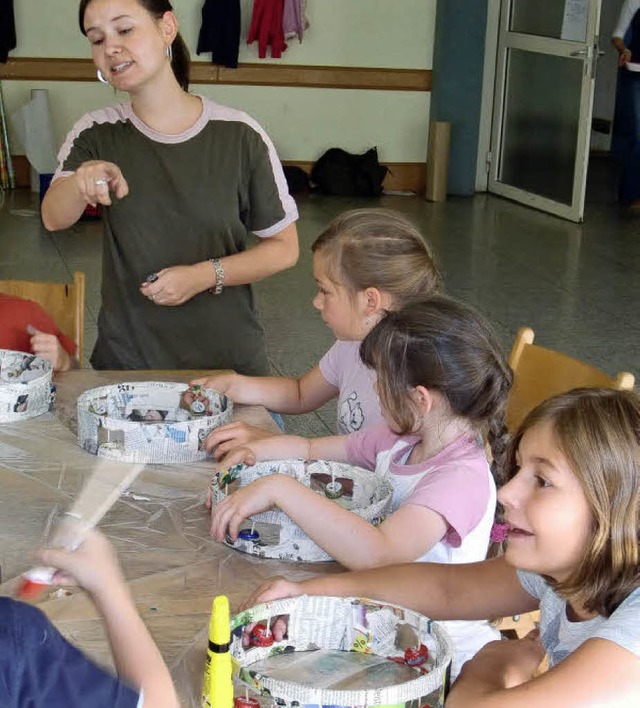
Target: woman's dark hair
x: 448, y: 347
x: 598, y: 431
x: 180, y: 61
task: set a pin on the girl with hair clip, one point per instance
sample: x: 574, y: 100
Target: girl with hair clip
x: 183, y: 182
x: 572, y: 505
x: 443, y: 383
x: 368, y: 261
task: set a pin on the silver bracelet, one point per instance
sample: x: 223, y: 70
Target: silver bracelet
x: 217, y: 266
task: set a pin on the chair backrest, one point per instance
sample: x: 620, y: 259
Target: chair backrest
x: 540, y: 373
x: 63, y: 301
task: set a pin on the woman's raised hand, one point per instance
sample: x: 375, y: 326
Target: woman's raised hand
x: 96, y: 180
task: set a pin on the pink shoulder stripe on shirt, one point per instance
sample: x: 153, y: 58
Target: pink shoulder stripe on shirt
x: 110, y: 114
x: 219, y: 112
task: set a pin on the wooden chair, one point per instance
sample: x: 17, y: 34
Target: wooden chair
x: 63, y: 301
x: 539, y: 373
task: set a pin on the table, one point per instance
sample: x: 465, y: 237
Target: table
x: 159, y: 527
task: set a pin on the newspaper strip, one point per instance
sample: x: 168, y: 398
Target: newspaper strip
x: 342, y: 652
x: 150, y: 422
x: 365, y: 493
x: 25, y: 386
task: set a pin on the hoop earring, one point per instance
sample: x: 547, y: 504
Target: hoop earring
x: 169, y: 53
x: 101, y: 78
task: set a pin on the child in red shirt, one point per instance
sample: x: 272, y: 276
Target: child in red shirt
x: 26, y: 327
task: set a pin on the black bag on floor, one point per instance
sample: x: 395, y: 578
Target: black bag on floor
x: 340, y: 173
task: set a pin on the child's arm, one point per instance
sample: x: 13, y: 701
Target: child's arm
x: 48, y: 347
x: 282, y: 447
x: 94, y: 567
x: 351, y: 540
x: 278, y: 394
x: 469, y: 591
x: 599, y: 673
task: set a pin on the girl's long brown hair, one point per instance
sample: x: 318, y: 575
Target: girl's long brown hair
x: 447, y: 346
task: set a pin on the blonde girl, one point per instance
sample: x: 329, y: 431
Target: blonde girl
x: 443, y: 383
x: 572, y: 504
x: 367, y: 261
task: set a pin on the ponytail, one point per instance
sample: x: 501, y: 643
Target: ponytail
x: 181, y: 61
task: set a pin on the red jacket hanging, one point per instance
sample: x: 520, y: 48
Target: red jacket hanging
x: 266, y: 27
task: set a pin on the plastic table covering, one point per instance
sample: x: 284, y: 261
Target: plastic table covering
x: 159, y: 528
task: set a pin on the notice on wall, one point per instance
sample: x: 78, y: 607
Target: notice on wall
x: 574, y: 22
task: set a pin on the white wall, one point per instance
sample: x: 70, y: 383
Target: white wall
x: 302, y: 122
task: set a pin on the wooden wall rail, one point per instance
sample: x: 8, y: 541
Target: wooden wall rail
x: 337, y: 77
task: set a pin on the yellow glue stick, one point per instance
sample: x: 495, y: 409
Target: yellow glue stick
x: 217, y: 687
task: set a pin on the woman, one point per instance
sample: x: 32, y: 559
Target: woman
x: 625, y: 144
x: 183, y: 181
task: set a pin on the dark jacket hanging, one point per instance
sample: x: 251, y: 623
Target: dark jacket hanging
x: 220, y: 31
x: 7, y: 29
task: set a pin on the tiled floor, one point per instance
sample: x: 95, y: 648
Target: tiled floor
x: 578, y: 286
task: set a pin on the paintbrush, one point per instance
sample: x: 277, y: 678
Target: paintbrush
x: 99, y: 493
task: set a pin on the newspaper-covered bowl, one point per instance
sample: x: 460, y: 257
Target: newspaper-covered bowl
x: 272, y: 534
x: 341, y: 652
x: 25, y: 385
x: 149, y: 422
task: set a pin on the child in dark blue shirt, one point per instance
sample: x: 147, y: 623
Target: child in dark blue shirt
x: 39, y: 668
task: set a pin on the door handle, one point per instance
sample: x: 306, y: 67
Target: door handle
x: 580, y: 53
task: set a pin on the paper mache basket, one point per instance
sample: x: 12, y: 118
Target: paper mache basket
x: 25, y: 385
x: 150, y: 422
x: 341, y: 652
x: 272, y: 534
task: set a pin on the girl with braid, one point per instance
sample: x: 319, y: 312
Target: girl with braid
x: 443, y: 383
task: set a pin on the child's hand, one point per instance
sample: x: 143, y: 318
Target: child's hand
x: 225, y: 438
x: 258, y: 496
x: 274, y: 589
x: 220, y: 382
x: 92, y: 566
x: 238, y: 456
x: 511, y: 662
x: 48, y: 347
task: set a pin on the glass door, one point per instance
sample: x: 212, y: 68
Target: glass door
x: 547, y: 56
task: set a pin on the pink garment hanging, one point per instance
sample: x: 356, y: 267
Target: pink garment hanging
x: 266, y: 27
x: 295, y: 20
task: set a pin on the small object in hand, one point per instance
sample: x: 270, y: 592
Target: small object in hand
x: 31, y: 330
x: 101, y: 181
x: 499, y: 532
x: 416, y: 656
x: 248, y: 535
x: 151, y: 278
x: 260, y: 636
x: 333, y: 490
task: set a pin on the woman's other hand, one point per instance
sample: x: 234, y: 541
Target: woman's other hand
x: 176, y: 285
x: 96, y: 180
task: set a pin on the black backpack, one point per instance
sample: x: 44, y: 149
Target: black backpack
x: 340, y: 173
